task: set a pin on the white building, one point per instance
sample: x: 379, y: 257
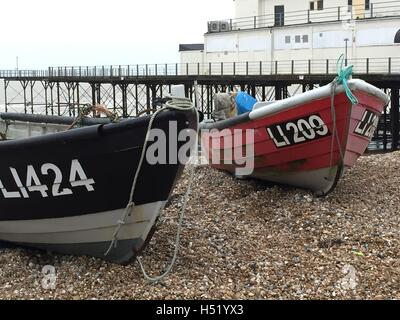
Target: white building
x: 301, y: 30
x: 359, y: 8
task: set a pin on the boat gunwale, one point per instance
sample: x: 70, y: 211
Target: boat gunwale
x: 89, y: 132
x: 265, y: 109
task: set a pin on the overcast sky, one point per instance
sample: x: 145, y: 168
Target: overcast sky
x: 46, y: 33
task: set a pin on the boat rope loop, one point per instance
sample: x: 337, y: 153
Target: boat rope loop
x: 344, y: 74
x: 181, y: 104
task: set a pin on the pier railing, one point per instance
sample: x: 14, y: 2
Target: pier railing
x: 315, y: 15
x: 285, y: 67
x: 24, y: 74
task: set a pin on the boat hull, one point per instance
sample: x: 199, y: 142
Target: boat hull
x: 88, y: 234
x: 66, y: 192
x: 299, y: 141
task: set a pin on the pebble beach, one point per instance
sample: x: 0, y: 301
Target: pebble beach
x: 245, y: 239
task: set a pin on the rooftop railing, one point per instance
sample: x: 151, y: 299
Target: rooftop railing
x: 385, y: 66
x: 330, y: 14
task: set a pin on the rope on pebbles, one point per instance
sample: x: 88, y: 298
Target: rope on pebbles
x: 181, y: 104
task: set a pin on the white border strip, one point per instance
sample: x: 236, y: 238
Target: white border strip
x: 262, y: 109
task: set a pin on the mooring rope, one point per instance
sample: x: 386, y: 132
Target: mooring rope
x: 173, y: 105
x: 344, y: 74
x: 87, y: 109
x: 178, y: 235
x: 181, y: 104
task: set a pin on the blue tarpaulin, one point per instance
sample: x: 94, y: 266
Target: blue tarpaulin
x: 244, y: 102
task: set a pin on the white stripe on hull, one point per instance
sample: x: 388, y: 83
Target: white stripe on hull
x: 90, y: 228
x: 319, y: 181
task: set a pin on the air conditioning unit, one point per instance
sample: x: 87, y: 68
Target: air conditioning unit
x: 224, y: 26
x: 215, y: 26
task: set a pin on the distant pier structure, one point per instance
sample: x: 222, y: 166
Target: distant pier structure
x: 131, y: 90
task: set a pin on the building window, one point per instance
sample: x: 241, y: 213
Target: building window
x: 305, y: 38
x: 297, y: 39
x: 397, y: 37
x: 279, y: 16
x: 317, y: 5
x: 287, y: 39
x: 350, y: 2
x: 367, y: 4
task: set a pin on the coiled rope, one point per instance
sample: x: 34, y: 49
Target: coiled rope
x: 181, y: 104
x: 97, y: 109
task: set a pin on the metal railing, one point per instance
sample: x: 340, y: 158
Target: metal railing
x: 330, y: 14
x: 24, y: 73
x: 389, y: 65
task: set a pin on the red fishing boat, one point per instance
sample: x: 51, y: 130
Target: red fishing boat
x: 307, y: 141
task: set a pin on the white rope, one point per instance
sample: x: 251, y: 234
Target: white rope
x: 181, y: 104
x: 181, y: 216
x: 131, y: 204
x: 177, y: 239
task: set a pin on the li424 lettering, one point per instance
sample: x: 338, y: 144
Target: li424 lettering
x: 77, y: 178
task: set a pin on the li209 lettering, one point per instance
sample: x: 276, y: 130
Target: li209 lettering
x: 298, y: 131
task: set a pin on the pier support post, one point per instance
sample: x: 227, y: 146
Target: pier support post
x: 93, y: 85
x: 78, y: 99
x: 45, y: 85
x: 32, y: 85
x: 58, y: 100
x: 394, y: 110
x: 114, y: 97
x: 148, y: 100
x: 187, y: 89
x: 70, y: 94
x: 253, y: 91
x: 136, y: 99
x: 285, y: 92
x: 51, y: 86
x: 6, y: 83
x: 98, y: 91
x: 278, y: 93
x: 124, y: 88
x: 210, y: 107
x: 24, y: 85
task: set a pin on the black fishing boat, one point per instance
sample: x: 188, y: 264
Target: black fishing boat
x: 70, y: 191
